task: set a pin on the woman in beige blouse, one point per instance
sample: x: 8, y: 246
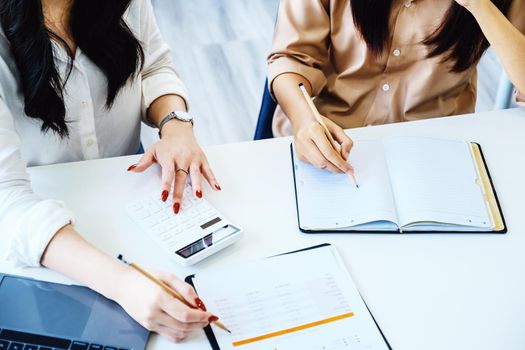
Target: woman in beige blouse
x: 409, y: 60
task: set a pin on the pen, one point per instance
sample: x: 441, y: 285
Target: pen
x: 321, y: 121
x: 167, y: 288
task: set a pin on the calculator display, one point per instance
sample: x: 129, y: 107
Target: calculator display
x: 207, y: 241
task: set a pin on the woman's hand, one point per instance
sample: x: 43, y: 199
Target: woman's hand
x: 313, y: 145
x: 179, y: 155
x: 157, y: 310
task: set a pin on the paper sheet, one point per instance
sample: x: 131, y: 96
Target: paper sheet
x: 304, y: 301
x: 331, y: 201
x: 435, y: 180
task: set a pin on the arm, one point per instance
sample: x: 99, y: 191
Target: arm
x: 299, y: 53
x: 39, y: 231
x: 163, y: 92
x: 146, y: 302
x: 508, y: 42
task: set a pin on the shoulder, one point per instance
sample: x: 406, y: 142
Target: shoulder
x: 135, y: 15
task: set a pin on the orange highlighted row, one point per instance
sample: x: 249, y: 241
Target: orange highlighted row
x: 293, y: 329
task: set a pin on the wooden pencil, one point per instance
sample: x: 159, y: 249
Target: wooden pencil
x: 320, y: 120
x: 167, y: 289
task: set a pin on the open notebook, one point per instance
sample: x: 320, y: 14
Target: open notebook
x: 300, y: 300
x: 406, y: 184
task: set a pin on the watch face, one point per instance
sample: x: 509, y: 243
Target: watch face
x: 184, y: 116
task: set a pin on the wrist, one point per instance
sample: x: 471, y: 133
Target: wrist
x: 478, y: 8
x: 121, y: 273
x: 176, y: 127
x: 304, y: 121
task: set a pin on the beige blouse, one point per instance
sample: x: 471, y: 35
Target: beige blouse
x: 318, y: 40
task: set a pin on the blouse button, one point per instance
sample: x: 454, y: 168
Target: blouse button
x: 397, y: 52
x: 90, y: 142
x: 408, y: 4
x: 84, y: 104
x: 386, y: 88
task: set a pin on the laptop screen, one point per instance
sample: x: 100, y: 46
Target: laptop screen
x: 65, y: 311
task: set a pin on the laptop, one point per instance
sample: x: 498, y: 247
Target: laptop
x: 37, y: 315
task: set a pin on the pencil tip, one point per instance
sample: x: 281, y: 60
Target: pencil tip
x: 357, y: 186
x: 301, y: 84
x: 120, y: 257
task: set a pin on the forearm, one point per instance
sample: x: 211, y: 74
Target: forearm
x: 507, y: 41
x: 72, y: 255
x: 290, y: 98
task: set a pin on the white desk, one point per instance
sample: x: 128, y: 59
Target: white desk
x: 426, y: 291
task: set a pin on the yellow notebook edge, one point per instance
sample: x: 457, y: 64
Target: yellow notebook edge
x: 488, y: 190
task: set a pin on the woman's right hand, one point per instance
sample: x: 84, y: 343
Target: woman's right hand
x: 157, y: 310
x: 313, y: 145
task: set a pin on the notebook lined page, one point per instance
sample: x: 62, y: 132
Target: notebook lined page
x: 435, y: 181
x: 331, y: 201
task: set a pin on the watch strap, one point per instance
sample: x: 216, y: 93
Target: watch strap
x: 172, y: 115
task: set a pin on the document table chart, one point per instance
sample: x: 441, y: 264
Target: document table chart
x: 426, y: 291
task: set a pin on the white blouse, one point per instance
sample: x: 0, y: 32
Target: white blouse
x: 28, y: 222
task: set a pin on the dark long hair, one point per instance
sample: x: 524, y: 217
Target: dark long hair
x: 459, y: 36
x: 97, y: 27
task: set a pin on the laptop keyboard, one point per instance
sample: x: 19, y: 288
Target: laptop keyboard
x: 13, y: 340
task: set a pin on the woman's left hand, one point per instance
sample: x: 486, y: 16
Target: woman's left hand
x: 179, y: 155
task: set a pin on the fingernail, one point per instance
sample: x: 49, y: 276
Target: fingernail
x: 164, y: 195
x: 176, y: 208
x: 213, y: 319
x: 218, y: 187
x: 200, y: 304
x: 132, y: 167
x: 199, y: 194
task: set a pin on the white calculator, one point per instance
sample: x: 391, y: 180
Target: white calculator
x: 196, y: 232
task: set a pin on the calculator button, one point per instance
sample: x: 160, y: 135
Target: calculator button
x: 163, y: 216
x: 151, y: 221
x: 143, y: 214
x: 135, y: 207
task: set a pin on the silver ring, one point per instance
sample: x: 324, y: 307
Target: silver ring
x: 183, y: 170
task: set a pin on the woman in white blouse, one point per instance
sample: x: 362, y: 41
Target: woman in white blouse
x: 76, y: 79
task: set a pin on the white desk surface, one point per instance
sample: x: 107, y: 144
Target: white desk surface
x: 425, y: 291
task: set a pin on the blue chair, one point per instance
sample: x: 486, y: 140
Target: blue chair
x: 263, y: 130
x: 505, y: 93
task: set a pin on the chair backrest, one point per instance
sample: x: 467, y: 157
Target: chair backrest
x: 505, y: 92
x: 263, y: 130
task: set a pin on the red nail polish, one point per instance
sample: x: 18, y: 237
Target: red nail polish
x: 176, y: 208
x: 218, y: 187
x: 199, y: 194
x: 132, y: 167
x: 213, y: 319
x: 164, y: 195
x: 200, y: 304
